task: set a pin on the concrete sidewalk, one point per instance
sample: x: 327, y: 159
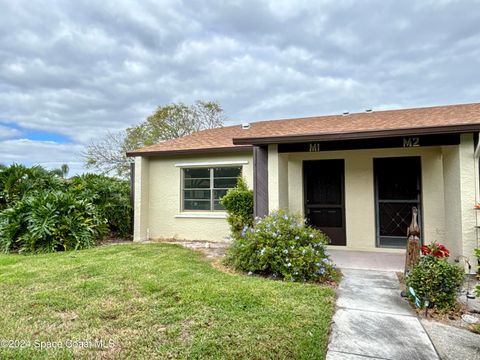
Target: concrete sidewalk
x: 373, y: 321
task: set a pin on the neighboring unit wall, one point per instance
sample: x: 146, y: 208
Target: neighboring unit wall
x: 141, y: 193
x: 360, y: 191
x: 164, y: 219
x: 460, y: 184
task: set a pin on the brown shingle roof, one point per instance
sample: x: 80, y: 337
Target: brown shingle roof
x: 433, y: 120
x: 211, y: 140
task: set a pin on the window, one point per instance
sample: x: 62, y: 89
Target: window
x: 203, y: 187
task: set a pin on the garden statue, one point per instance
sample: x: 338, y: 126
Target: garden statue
x: 413, y: 242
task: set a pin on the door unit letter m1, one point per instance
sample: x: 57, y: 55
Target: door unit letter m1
x: 314, y: 147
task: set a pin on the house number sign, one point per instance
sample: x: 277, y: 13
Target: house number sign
x: 314, y: 147
x: 411, y: 141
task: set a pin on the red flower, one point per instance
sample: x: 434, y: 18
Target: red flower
x: 437, y: 250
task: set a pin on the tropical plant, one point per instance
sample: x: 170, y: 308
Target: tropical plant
x: 62, y: 171
x: 111, y: 197
x: 283, y: 247
x: 50, y: 221
x: 41, y: 212
x: 437, y: 280
x: 17, y: 181
x: 238, y: 202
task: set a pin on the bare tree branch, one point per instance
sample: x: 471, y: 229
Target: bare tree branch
x: 108, y: 155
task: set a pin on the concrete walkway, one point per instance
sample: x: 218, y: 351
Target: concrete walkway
x: 366, y: 260
x: 372, y: 321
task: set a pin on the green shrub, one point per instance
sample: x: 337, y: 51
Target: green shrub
x: 436, y: 279
x: 50, y: 221
x: 41, y: 212
x: 17, y: 181
x: 238, y: 202
x: 282, y: 246
x: 110, y: 196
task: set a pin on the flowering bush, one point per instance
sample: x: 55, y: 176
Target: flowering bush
x: 437, y: 250
x: 282, y: 246
x: 436, y: 279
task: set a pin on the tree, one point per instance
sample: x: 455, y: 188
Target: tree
x: 62, y: 171
x: 108, y: 155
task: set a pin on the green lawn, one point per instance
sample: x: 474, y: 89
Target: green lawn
x: 154, y: 301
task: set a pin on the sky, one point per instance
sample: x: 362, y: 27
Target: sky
x: 70, y: 71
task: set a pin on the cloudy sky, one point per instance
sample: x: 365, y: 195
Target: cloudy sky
x: 72, y: 70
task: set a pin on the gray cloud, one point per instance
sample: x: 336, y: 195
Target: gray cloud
x: 8, y: 132
x: 80, y: 69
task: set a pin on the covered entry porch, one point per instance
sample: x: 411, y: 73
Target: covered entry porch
x: 348, y: 189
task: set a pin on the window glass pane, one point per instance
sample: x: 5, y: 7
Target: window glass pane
x: 197, y: 186
x: 225, y: 183
x: 196, y: 205
x: 196, y: 173
x: 196, y: 194
x: 218, y: 206
x: 227, y: 172
x: 197, y: 183
x: 219, y: 193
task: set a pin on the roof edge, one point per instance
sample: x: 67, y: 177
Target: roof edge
x: 230, y: 149
x: 432, y: 130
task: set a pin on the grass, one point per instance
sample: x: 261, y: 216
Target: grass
x: 154, y: 301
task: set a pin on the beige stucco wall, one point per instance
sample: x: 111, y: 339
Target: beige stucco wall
x: 277, y: 179
x: 360, y: 196
x: 460, y: 168
x: 141, y: 200
x: 453, y: 206
x: 161, y: 211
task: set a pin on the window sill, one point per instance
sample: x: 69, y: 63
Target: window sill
x: 201, y: 216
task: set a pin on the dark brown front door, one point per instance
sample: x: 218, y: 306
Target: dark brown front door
x: 325, y: 199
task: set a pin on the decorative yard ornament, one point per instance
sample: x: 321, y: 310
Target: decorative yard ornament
x: 413, y: 242
x: 418, y: 301
x: 414, y: 230
x: 415, y: 297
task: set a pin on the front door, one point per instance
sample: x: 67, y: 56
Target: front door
x: 398, y: 189
x: 324, y: 198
